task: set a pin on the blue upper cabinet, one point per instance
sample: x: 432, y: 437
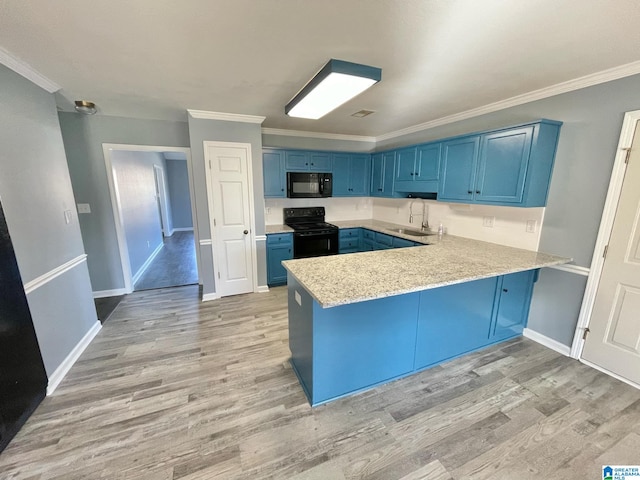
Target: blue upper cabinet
x: 351, y: 174
x: 418, y: 169
x: 320, y: 162
x: 382, y: 171
x: 405, y: 164
x: 305, y: 161
x: 506, y: 167
x: 503, y: 165
x: 273, y: 173
x: 459, y: 163
x: 297, y: 161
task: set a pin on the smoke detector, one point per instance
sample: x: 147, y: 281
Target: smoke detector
x: 362, y: 113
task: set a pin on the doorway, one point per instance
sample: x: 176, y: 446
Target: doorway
x: 610, y: 314
x: 151, y: 191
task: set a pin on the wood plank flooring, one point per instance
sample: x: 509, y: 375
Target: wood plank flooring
x: 175, y: 389
x: 174, y: 266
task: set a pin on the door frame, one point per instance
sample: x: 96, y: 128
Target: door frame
x: 252, y: 221
x: 123, y: 250
x: 631, y: 119
x: 159, y: 178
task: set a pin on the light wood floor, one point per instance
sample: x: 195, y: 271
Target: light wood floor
x: 175, y: 389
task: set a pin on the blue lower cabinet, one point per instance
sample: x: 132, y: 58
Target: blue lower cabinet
x: 368, y: 245
x: 350, y: 240
x: 345, y: 349
x: 513, y: 298
x: 454, y: 320
x: 401, y: 242
x: 384, y: 239
x: 279, y: 248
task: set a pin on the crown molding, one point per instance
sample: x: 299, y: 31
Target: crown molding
x: 227, y: 117
x: 329, y: 136
x: 27, y: 71
x: 604, y: 76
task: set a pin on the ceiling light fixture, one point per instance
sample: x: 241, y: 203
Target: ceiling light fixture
x: 336, y: 83
x: 88, y: 108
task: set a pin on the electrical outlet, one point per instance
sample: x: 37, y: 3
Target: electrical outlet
x: 67, y: 217
x: 532, y: 226
x: 488, y: 221
x: 84, y: 208
x: 148, y: 244
x: 268, y: 210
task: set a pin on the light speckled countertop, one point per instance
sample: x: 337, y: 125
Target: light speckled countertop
x: 356, y: 277
x: 277, y: 229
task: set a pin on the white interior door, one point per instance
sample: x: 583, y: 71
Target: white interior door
x: 231, y: 225
x: 161, y: 200
x: 614, y: 339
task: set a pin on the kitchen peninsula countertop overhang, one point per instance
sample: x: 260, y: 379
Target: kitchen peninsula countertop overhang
x: 357, y: 277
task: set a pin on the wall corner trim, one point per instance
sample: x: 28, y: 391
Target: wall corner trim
x: 27, y: 71
x: 50, y: 275
x: 328, y: 136
x: 577, y: 269
x: 227, y: 117
x: 67, y: 363
x: 547, y: 342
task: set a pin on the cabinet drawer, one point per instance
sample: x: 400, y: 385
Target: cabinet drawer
x: 349, y: 243
x: 368, y: 245
x: 384, y: 239
x: 349, y: 233
x: 279, y: 239
x: 368, y: 234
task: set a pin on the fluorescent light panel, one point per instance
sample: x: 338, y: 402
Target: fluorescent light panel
x: 336, y: 83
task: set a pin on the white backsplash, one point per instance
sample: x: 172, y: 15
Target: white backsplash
x: 509, y: 223
x: 336, y: 208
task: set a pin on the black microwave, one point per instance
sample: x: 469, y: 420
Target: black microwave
x: 309, y: 185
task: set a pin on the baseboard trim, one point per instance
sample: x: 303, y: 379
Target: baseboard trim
x: 146, y: 264
x: 110, y: 293
x: 60, y: 372
x: 50, y: 275
x: 262, y: 289
x: 607, y: 372
x: 183, y: 229
x: 207, y: 297
x: 547, y: 342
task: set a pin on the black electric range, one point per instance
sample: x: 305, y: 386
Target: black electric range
x: 312, y: 236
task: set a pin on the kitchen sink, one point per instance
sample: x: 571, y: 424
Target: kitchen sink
x: 413, y: 233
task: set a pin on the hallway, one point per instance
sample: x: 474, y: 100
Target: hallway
x: 174, y: 266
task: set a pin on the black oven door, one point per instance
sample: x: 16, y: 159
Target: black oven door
x: 310, y: 244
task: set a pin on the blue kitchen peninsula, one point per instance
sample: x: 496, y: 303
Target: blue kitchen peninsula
x: 363, y: 319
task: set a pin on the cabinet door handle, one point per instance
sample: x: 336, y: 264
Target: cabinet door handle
x: 379, y: 189
x: 505, y: 290
x: 306, y: 163
x: 412, y: 174
x: 478, y: 191
x: 469, y: 192
x: 312, y: 164
x: 282, y: 189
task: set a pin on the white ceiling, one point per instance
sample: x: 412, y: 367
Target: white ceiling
x: 157, y: 58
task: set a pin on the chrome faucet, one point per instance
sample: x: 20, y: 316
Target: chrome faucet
x: 424, y: 223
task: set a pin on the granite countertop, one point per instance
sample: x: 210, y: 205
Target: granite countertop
x: 342, y: 279
x: 277, y: 229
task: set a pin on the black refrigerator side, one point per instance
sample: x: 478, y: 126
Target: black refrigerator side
x: 23, y: 380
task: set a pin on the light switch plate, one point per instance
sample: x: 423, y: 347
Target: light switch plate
x: 488, y: 221
x: 84, y: 208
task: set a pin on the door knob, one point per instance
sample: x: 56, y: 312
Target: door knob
x: 245, y: 232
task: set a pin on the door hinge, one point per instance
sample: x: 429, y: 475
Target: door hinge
x: 586, y: 332
x: 218, y: 275
x: 214, y: 222
x: 604, y: 254
x: 626, y: 159
x: 209, y: 164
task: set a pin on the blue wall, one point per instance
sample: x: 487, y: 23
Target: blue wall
x: 178, y: 185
